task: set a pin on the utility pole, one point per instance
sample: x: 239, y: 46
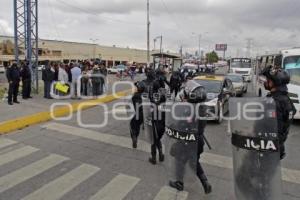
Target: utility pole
x: 95, y: 45
x: 148, y: 34
x: 249, y: 46
x: 26, y: 35
x: 200, y: 56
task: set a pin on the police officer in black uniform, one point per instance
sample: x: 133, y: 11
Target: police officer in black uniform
x: 26, y: 81
x: 153, y: 86
x: 276, y: 83
x: 137, y: 120
x: 195, y: 95
x: 13, y: 77
x: 175, y: 82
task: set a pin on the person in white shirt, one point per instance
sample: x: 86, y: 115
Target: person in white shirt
x: 76, y: 73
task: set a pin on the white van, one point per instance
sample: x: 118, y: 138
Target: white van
x: 241, y: 66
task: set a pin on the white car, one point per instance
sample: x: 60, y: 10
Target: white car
x: 112, y: 70
x: 239, y: 83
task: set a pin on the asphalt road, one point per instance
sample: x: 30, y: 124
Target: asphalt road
x: 68, y: 161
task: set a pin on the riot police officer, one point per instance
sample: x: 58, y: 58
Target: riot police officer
x: 154, y: 119
x: 137, y: 120
x: 190, y: 149
x: 175, y: 82
x: 276, y: 83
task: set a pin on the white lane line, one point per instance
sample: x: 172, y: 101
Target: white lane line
x: 16, y: 154
x: 288, y: 175
x: 64, y: 184
x: 117, y: 188
x: 6, y: 142
x: 168, y: 193
x: 29, y: 171
x: 120, y: 141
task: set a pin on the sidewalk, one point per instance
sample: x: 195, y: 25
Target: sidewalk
x: 37, y: 109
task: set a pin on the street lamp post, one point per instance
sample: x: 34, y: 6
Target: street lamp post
x: 94, y: 51
x: 148, y: 33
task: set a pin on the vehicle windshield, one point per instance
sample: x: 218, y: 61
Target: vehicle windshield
x: 292, y: 66
x: 211, y: 86
x: 240, y: 65
x: 235, y: 79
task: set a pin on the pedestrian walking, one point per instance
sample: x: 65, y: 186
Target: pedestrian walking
x: 13, y: 77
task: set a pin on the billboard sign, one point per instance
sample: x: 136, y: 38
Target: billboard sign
x: 221, y: 47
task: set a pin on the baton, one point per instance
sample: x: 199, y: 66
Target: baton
x: 206, y: 142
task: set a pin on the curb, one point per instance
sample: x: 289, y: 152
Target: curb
x: 29, y: 120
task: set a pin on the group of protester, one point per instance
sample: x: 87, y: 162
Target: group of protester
x: 91, y: 82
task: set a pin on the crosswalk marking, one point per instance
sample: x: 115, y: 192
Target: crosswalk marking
x: 64, y: 184
x: 29, y: 171
x: 6, y: 142
x: 117, y: 188
x: 101, y: 137
x: 168, y: 193
x: 16, y: 154
x: 288, y: 175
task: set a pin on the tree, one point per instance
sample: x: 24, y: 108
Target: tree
x: 212, y: 57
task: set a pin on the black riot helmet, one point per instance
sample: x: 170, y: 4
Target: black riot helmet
x: 150, y: 74
x: 277, y: 75
x: 194, y: 92
x: 140, y: 85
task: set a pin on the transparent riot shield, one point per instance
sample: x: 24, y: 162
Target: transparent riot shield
x: 256, y: 157
x: 148, y: 109
x: 181, y: 143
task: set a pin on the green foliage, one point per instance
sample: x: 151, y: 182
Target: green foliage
x: 212, y: 57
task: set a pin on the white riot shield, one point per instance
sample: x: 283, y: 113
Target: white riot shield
x: 256, y: 157
x: 180, y: 141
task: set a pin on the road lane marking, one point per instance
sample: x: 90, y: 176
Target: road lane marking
x: 64, y: 184
x: 116, y: 140
x: 117, y: 188
x: 6, y: 142
x: 168, y: 193
x: 16, y: 154
x: 29, y: 171
x: 288, y: 175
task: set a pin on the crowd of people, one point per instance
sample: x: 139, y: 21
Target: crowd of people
x: 91, y: 74
x: 92, y: 81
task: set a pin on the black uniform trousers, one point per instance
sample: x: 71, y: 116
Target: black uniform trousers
x: 26, y: 88
x: 13, y: 91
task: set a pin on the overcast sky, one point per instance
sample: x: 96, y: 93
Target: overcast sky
x: 272, y: 24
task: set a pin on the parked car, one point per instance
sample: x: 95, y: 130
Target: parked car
x: 240, y: 85
x: 116, y: 69
x: 219, y: 89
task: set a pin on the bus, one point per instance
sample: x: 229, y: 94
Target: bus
x: 241, y: 66
x: 289, y: 60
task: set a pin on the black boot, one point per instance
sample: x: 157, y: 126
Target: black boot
x: 206, y: 186
x: 178, y: 185
x: 152, y: 159
x: 160, y: 153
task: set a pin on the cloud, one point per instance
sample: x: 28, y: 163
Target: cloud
x: 273, y: 24
x: 5, y: 29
